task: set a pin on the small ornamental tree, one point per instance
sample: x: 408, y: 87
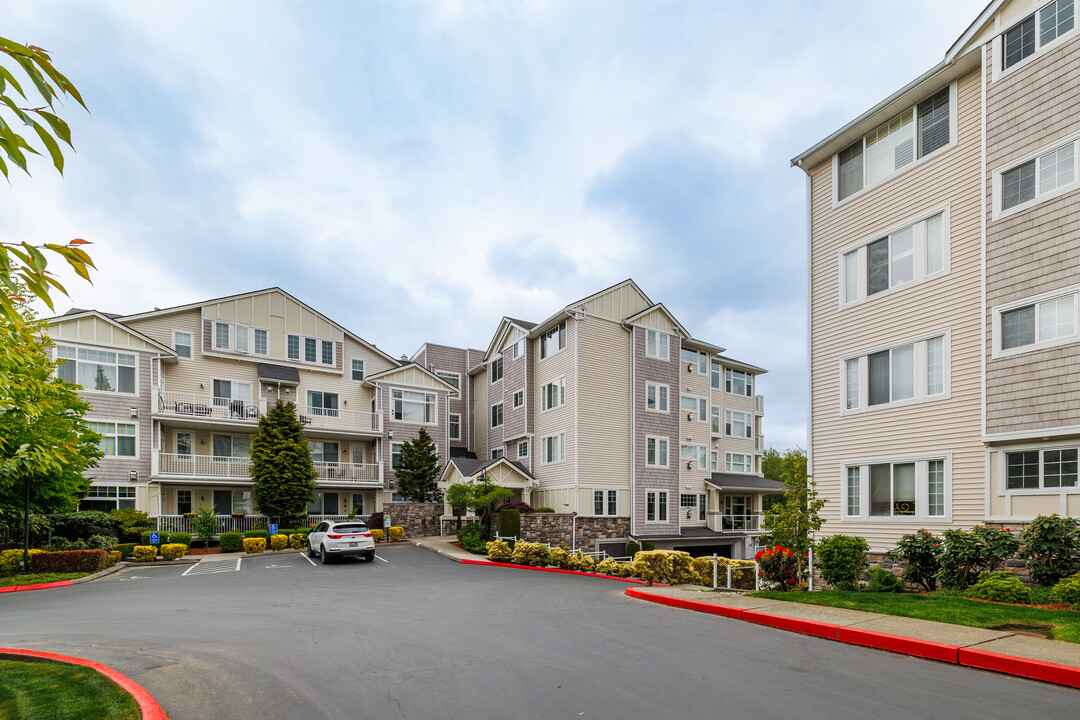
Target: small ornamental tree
x: 792, y: 522
x: 482, y: 496
x: 458, y: 495
x: 419, y: 470
x: 281, y: 466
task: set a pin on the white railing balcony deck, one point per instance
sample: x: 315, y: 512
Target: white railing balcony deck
x: 208, y: 407
x: 369, y: 474
x: 225, y: 523
x: 201, y: 466
x: 759, y: 405
x: 317, y: 418
x: 735, y: 523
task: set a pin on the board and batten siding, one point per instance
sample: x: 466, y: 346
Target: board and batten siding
x: 947, y: 303
x: 604, y: 423
x: 1036, y: 250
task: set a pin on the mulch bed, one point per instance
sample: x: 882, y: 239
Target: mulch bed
x: 204, y: 551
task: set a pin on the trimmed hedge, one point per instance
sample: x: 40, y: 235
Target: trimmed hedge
x: 254, y: 544
x: 377, y: 535
x: 182, y: 538
x: 230, y: 541
x: 11, y: 561
x: 172, y: 551
x: 279, y: 542
x: 162, y: 538
x: 264, y: 534
x: 145, y: 553
x: 126, y: 550
x: 297, y: 541
x: 472, y: 538
x: 69, y: 561
x: 534, y: 554
x: 396, y: 533
x: 509, y: 523
x: 498, y: 550
x: 82, y: 524
x: 114, y: 557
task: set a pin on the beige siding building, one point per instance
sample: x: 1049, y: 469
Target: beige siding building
x: 943, y: 289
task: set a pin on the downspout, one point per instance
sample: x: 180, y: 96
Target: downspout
x: 809, y: 337
x: 633, y: 432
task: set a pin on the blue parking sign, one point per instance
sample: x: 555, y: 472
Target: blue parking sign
x: 273, y: 529
x: 155, y: 538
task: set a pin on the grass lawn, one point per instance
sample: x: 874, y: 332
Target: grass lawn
x: 39, y: 579
x: 59, y: 691
x: 943, y: 608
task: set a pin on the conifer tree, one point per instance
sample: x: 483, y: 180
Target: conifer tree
x: 418, y: 475
x: 281, y: 465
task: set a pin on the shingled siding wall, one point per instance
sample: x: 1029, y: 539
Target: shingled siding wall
x: 417, y: 519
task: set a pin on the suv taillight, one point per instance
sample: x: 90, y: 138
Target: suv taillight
x: 334, y: 537
x: 367, y: 534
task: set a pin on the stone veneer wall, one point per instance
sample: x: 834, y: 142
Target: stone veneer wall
x: 557, y: 529
x: 417, y: 519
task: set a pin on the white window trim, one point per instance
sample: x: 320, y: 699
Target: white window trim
x: 697, y: 409
x: 191, y: 344
x: 666, y: 410
x: 999, y: 71
x: 920, y: 374
x: 453, y: 395
x: 997, y: 210
x: 520, y: 445
x: 513, y: 399
x: 749, y: 380
x: 450, y: 424
x: 545, y: 351
x: 920, y: 258
x: 318, y: 352
x: 254, y: 344
x: 750, y: 424
x: 605, y: 503
x: 125, y: 421
x: 434, y: 414
x: 1003, y: 489
x: 667, y: 506
x: 749, y: 457
x: 699, y: 450
x: 560, y: 383
x: 921, y: 489
x: 501, y: 362
x: 657, y: 438
x: 107, y: 393
x: 491, y: 415
x: 363, y: 369
x: 997, y: 310
x: 543, y: 449
x: 836, y: 202
x: 667, y: 345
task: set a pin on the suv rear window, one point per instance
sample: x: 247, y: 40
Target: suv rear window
x: 350, y: 528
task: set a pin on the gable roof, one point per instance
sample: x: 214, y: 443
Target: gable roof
x: 389, y: 373
x: 76, y: 313
x: 659, y: 307
x: 471, y: 467
x: 503, y: 330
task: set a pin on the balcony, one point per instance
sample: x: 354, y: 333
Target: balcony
x: 206, y: 407
x: 359, y: 474
x: 759, y: 444
x: 759, y: 405
x: 227, y: 523
x: 351, y: 421
x: 735, y: 523
x: 199, y: 466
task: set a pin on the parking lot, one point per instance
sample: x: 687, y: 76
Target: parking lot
x: 417, y: 636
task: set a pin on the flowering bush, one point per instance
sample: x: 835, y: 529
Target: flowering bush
x: 498, y: 550
x: 172, y: 551
x: 526, y: 553
x: 279, y: 542
x: 581, y: 562
x: 922, y: 553
x: 254, y: 545
x: 1052, y: 548
x: 559, y: 557
x: 101, y: 542
x: 297, y: 541
x: 145, y: 553
x: 396, y: 533
x: 778, y: 565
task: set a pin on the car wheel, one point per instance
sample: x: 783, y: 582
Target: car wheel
x: 311, y: 551
x: 323, y: 557
x: 370, y: 557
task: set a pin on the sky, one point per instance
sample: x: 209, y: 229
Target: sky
x: 417, y: 170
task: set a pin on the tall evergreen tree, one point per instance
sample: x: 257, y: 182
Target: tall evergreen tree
x: 418, y: 475
x: 281, y: 466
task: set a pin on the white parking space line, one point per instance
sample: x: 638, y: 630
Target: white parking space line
x: 304, y: 555
x: 211, y: 568
x: 381, y: 558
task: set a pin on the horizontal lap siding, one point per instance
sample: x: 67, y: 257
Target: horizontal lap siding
x: 604, y: 405
x: 951, y: 302
x: 560, y: 419
x: 1034, y: 251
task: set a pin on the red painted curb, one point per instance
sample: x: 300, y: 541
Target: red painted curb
x: 1034, y: 669
x: 714, y: 609
x: 148, y: 706
x: 897, y: 643
x: 42, y: 586
x: 468, y: 561
x: 799, y: 625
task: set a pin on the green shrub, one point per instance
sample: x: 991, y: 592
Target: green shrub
x: 545, y: 510
x: 559, y: 557
x: 82, y: 524
x: 173, y: 551
x: 101, y: 542
x: 668, y: 566
x: 472, y: 537
x: 146, y: 553
x: 608, y: 566
x: 841, y: 560
x: 966, y: 555
x: 254, y: 544
x: 231, y: 541
x: 1042, y: 595
x: 279, y: 542
x: 145, y: 538
x: 126, y: 550
x: 1067, y: 590
x: 648, y: 546
x: 181, y: 538
x: 581, y: 562
x: 632, y: 549
x: 882, y: 581
x: 742, y: 572
x: 498, y: 550
x: 11, y: 561
x: 534, y: 554
x: 922, y: 553
x: 1051, y: 548
x: 509, y: 523
x: 999, y: 586
x: 257, y: 533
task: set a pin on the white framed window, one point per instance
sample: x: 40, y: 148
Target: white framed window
x: 292, y: 343
x: 1043, y: 321
x: 496, y: 415
x: 656, y: 397
x: 183, y: 443
x: 452, y: 378
x: 656, y: 451
x: 112, y: 497
x: 1033, y: 35
x: 183, y: 502
x: 455, y: 426
x: 97, y: 370
x: 1035, y: 178
x: 714, y: 461
x: 738, y: 462
x: 656, y: 506
x: 915, y: 370
x: 519, y: 398
x: 915, y: 489
x: 553, y: 340
x: 324, y: 404
x: 910, y: 253
x: 242, y: 333
x: 414, y: 407
x: 182, y: 343
x: 739, y: 424
x: 694, y: 455
x: 553, y: 449
x: 552, y: 394
x: 737, y: 382
x: 310, y: 350
x: 395, y: 455
x: 1051, y: 469
x: 698, y: 359
x: 497, y: 453
x: 117, y: 439
x: 714, y: 380
x: 327, y: 356
x: 605, y: 502
x: 519, y: 348
x: 233, y: 395
x: 715, y: 424
x: 695, y: 408
x: 232, y: 446
x: 222, y: 336
x: 356, y: 368
x: 657, y: 344
x: 496, y: 371
x: 523, y: 449
x: 896, y: 145
x: 260, y: 342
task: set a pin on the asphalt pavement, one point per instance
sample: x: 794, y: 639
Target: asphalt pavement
x: 416, y: 636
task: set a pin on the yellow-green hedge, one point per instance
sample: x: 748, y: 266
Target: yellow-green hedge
x: 114, y: 557
x: 742, y: 572
x: 396, y: 533
x: 667, y: 566
x: 172, y: 551
x: 377, y: 534
x: 499, y: 550
x: 279, y: 542
x: 145, y: 553
x: 11, y: 561
x: 297, y: 541
x: 254, y: 545
x: 581, y: 562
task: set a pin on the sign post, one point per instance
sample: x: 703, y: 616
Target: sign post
x: 155, y: 537
x: 273, y: 529
x: 386, y: 527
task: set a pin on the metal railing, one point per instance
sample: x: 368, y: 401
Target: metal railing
x: 358, y: 473
x: 729, y: 570
x: 334, y: 419
x: 226, y: 523
x: 205, y: 406
x: 735, y: 523
x: 209, y: 466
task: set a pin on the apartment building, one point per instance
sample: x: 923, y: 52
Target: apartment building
x: 610, y: 409
x: 943, y: 290
x: 177, y: 394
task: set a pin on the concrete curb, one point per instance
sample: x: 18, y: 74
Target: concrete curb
x: 634, y: 581
x: 148, y: 706
x: 64, y: 583
x: 942, y: 652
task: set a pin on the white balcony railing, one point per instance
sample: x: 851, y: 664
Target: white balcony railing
x: 208, y: 466
x: 205, y: 406
x: 225, y: 523
x: 334, y: 419
x: 358, y: 473
x: 735, y: 523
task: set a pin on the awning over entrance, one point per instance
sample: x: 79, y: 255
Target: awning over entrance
x: 278, y: 374
x: 737, y: 481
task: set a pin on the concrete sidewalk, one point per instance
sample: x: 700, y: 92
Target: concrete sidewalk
x: 446, y: 548
x: 1000, y: 650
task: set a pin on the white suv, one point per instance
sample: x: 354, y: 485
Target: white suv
x: 346, y: 537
